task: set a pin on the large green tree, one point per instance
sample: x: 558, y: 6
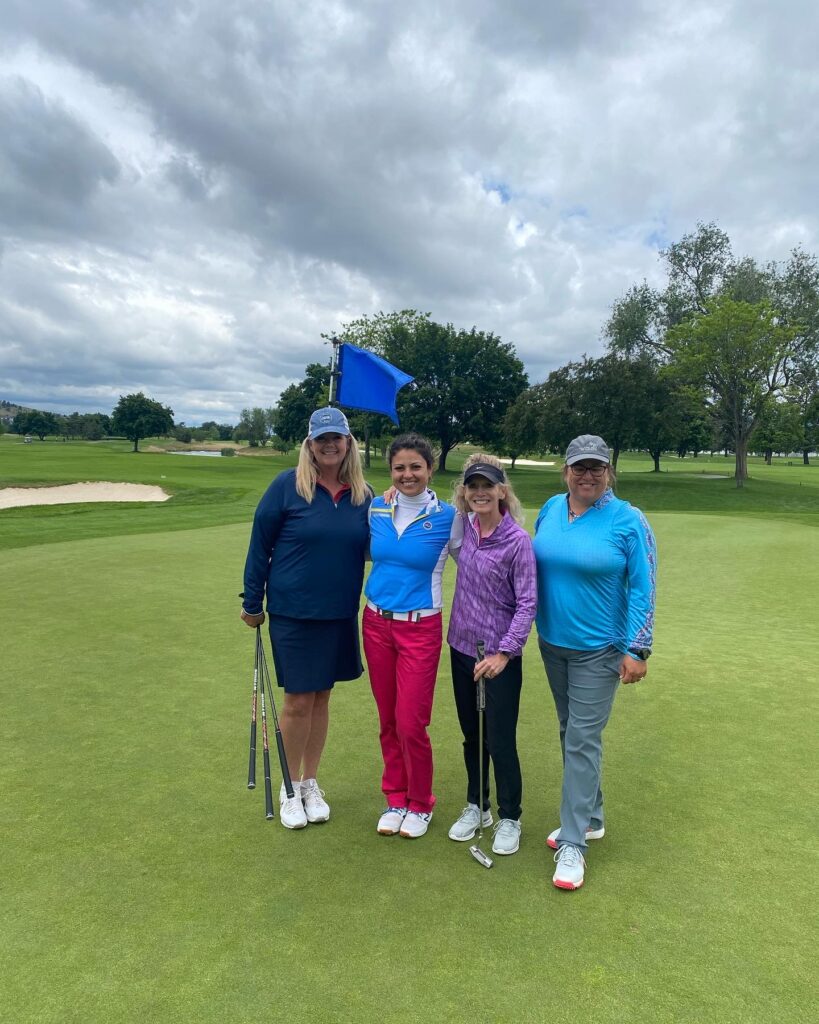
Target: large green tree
x: 137, y: 416
x: 777, y: 301
x: 740, y: 352
x: 464, y: 382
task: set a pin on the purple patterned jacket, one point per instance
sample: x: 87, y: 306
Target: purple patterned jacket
x: 495, y: 590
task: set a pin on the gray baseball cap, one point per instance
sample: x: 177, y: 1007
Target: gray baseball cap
x: 327, y: 421
x: 587, y: 446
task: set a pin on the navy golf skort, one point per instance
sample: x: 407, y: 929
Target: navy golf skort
x: 313, y: 654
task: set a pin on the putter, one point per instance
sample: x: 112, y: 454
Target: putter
x: 476, y: 851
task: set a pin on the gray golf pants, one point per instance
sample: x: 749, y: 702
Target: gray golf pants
x: 583, y: 685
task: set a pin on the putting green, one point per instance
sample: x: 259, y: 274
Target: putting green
x: 141, y: 882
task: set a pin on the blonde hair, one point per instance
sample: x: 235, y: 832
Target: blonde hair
x: 611, y: 476
x: 508, y: 503
x: 349, y: 472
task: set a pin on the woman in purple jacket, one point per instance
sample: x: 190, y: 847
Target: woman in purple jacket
x: 495, y: 602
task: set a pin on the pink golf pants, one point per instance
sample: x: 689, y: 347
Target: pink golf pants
x: 402, y: 658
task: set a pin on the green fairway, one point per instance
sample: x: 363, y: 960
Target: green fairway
x: 141, y: 882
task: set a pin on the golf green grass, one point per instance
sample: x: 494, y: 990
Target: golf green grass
x: 141, y: 882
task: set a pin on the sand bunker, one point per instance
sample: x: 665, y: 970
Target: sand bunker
x: 527, y: 462
x: 70, y: 494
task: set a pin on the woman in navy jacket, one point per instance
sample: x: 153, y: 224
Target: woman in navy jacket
x: 307, y: 550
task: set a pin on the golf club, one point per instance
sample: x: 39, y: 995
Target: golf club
x: 268, y: 787
x: 251, y: 768
x: 476, y: 851
x: 265, y: 674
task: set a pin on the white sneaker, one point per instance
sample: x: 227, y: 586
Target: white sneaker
x: 315, y: 806
x: 415, y: 824
x: 507, y: 836
x: 390, y: 822
x: 591, y: 833
x: 466, y: 826
x: 291, y: 811
x: 570, y: 868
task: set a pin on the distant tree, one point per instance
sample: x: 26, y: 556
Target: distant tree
x: 182, y: 433
x: 779, y: 428
x: 298, y: 401
x: 137, y: 416
x: 279, y: 444
x: 520, y: 431
x: 95, y: 426
x: 810, y: 426
x: 33, y: 421
x: 219, y: 431
x: 253, y: 427
x: 19, y: 425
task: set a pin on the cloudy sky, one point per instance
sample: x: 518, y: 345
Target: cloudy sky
x: 191, y: 191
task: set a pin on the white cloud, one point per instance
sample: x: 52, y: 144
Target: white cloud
x: 191, y: 193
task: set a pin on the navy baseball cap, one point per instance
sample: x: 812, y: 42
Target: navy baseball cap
x: 327, y: 421
x: 484, y: 469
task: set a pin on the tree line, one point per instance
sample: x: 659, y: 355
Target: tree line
x: 723, y: 356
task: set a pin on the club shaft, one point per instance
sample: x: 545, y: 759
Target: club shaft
x: 285, y: 770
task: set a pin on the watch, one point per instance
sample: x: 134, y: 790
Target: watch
x: 641, y: 653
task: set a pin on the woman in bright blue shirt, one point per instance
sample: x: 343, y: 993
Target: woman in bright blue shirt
x: 596, y: 561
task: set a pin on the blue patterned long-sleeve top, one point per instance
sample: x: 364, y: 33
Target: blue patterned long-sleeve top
x: 596, y: 575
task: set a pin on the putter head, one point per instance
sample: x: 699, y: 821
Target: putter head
x: 481, y: 857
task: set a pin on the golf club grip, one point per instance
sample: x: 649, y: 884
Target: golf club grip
x: 268, y: 787
x: 480, y: 695
x: 288, y: 782
x: 251, y: 768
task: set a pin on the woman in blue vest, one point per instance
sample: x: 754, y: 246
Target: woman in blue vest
x: 409, y: 542
x: 307, y: 551
x: 596, y: 567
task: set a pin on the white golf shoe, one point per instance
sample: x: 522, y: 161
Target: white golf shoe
x: 466, y: 827
x: 291, y: 810
x: 507, y: 837
x: 390, y: 822
x: 315, y: 806
x: 591, y: 833
x: 570, y: 868
x: 415, y: 824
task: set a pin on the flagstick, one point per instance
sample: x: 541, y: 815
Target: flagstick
x: 334, y: 372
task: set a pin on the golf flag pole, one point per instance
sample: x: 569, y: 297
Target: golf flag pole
x: 362, y: 380
x: 334, y: 372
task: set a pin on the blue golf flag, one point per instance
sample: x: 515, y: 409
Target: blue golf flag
x: 368, y: 382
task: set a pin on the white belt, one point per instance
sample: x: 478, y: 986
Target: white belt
x: 403, y: 616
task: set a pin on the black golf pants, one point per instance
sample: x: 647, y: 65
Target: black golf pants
x: 500, y: 728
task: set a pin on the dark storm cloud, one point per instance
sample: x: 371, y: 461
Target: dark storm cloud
x: 51, y: 165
